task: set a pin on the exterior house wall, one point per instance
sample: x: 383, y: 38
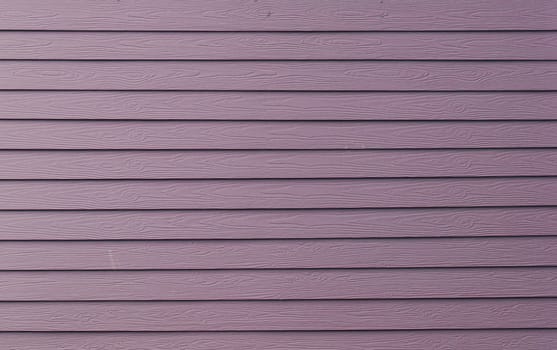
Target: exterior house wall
x: 233, y: 174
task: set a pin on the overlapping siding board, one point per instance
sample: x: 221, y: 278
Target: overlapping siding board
x: 278, y: 174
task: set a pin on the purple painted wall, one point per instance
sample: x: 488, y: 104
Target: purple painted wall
x: 286, y: 174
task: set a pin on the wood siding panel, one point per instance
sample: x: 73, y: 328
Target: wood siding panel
x: 261, y: 105
x: 257, y: 174
x: 279, y: 15
x: 277, y: 194
x: 274, y: 164
x: 86, y: 135
x: 269, y: 254
x: 279, y: 315
x: 277, y: 284
x: 279, y: 75
x: 364, y: 340
x: 267, y: 224
x: 278, y: 46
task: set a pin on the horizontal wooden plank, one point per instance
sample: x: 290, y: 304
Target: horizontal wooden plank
x: 277, y: 284
x: 279, y: 315
x: 279, y: 46
x: 363, y: 340
x: 267, y: 224
x: 263, y: 105
x: 276, y: 194
x: 277, y: 254
x: 279, y: 75
x: 280, y: 15
x: 274, y: 164
x: 213, y: 135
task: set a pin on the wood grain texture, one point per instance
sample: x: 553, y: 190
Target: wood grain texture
x: 267, y: 15
x: 525, y: 339
x: 278, y: 46
x: 274, y: 164
x: 261, y: 105
x: 279, y: 75
x: 279, y: 254
x: 277, y: 284
x: 279, y: 315
x: 276, y: 194
x: 215, y: 135
x: 267, y: 224
x: 258, y: 174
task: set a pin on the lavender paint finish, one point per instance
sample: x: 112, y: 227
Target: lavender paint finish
x: 277, y: 174
x: 274, y: 46
x: 273, y: 105
x: 279, y: 15
x: 86, y: 225
x: 280, y: 254
x: 279, y: 75
x: 279, y: 315
x: 265, y: 135
x: 540, y: 339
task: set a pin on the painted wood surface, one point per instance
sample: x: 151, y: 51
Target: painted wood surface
x: 279, y: 254
x: 279, y: 15
x: 241, y: 174
x: 268, y: 224
x: 87, y: 134
x: 280, y: 315
x: 277, y: 194
x: 279, y: 75
x: 388, y: 340
x: 274, y: 164
x: 272, y: 105
x: 278, y: 284
x: 278, y: 46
